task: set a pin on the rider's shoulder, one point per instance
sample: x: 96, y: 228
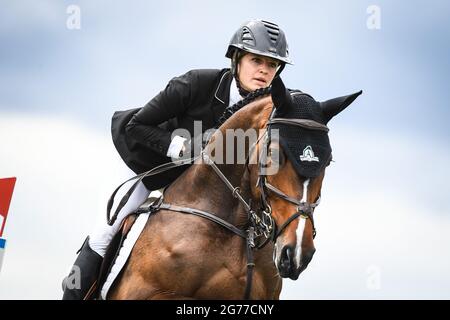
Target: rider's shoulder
x: 205, y: 74
x: 204, y: 79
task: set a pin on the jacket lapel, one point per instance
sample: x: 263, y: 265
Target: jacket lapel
x: 222, y: 95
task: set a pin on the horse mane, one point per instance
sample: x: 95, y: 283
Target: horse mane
x: 243, y: 118
x: 241, y: 103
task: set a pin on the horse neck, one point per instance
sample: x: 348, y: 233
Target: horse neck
x: 254, y: 116
x: 251, y: 119
x: 217, y: 198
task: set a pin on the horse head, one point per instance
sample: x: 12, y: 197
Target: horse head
x: 288, y: 178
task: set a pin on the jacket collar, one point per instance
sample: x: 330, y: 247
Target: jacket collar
x: 223, y: 89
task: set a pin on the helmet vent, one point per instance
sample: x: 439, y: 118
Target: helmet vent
x: 273, y: 30
x: 247, y: 37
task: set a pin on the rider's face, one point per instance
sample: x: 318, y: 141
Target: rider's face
x: 255, y: 71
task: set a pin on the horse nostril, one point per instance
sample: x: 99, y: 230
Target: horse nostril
x: 286, y: 256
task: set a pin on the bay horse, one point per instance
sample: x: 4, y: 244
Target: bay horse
x: 185, y: 256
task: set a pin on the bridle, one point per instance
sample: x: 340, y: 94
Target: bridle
x: 261, y: 222
x: 304, y: 209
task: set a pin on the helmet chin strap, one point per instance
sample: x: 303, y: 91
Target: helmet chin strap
x: 243, y: 92
x: 234, y: 71
x: 281, y: 68
x: 234, y: 63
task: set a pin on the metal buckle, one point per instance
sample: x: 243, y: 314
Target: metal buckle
x: 251, y: 237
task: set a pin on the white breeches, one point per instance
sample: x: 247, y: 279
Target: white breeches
x: 102, y: 235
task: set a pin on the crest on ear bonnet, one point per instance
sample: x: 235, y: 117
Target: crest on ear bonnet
x: 308, y: 150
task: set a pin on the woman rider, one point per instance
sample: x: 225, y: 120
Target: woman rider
x: 143, y: 137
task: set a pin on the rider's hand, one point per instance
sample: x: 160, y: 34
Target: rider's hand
x: 192, y: 147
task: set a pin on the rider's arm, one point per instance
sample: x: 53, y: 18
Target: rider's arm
x: 169, y: 103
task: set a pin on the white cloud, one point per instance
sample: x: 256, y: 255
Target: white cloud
x: 65, y: 174
x: 374, y: 221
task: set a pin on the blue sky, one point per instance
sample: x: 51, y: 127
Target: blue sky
x: 124, y: 51
x: 60, y: 87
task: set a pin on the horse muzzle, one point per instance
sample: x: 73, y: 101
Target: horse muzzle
x: 287, y: 265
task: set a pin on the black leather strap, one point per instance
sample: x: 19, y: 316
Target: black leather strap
x: 250, y: 262
x: 157, y: 170
x: 249, y: 237
x: 206, y: 215
x: 304, y: 123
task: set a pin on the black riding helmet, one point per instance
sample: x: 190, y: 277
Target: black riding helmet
x: 259, y: 37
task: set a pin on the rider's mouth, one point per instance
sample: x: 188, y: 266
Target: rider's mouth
x: 260, y: 81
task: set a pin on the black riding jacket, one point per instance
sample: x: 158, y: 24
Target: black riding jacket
x: 142, y: 136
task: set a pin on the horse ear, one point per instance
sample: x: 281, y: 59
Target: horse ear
x: 280, y: 95
x: 332, y: 107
